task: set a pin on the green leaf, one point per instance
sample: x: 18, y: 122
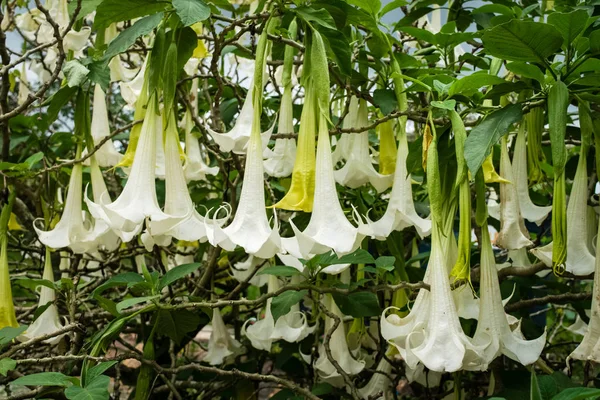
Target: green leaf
x: 360, y: 256
x: 45, y: 379
x: 125, y: 279
x: 133, y: 301
x: 110, y: 11
x: 470, y: 84
x: 494, y: 9
x: 522, y: 41
x: 386, y: 262
x: 7, y: 364
x: 526, y: 70
x: 8, y: 333
x: 420, y: 34
x: 570, y: 25
x: 359, y: 304
x: 100, y: 74
x: 58, y: 101
x: 177, y: 273
x: 370, y: 6
x: 176, y: 324
x: 445, y: 105
x: 580, y: 393
x: 191, y: 11
x: 97, y: 389
x: 75, y: 73
x: 535, y: 393
x: 386, y: 100
x: 320, y: 16
x: 595, y: 42
x: 97, y: 370
x: 34, y: 159
x: 279, y: 270
x: 391, y: 6
x: 170, y: 73
x: 487, y: 133
x: 128, y: 37
x: 87, y: 7
x: 282, y: 304
x: 338, y: 49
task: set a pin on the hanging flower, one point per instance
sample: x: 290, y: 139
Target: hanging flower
x: 24, y: 91
x: 195, y: 167
x: 529, y: 211
x: 279, y: 162
x: 343, y: 146
x: 7, y: 308
x: 221, y: 344
x: 339, y: 349
x: 48, y: 322
x: 107, y: 155
x: 138, y: 199
x: 359, y: 169
x: 242, y: 270
x: 132, y: 89
x: 580, y: 261
x: 512, y: 235
x: 493, y: 322
x: 400, y: 212
x: 387, y: 148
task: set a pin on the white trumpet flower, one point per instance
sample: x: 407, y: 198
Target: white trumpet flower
x: 237, y: 139
x: 138, y: 199
x: 250, y: 228
x: 107, y: 155
x: 24, y: 91
x: 529, y: 211
x: 339, y: 349
x: 279, y: 162
x: 493, y: 322
x: 220, y: 344
x: 178, y: 202
x: 431, y: 333
x: 70, y: 230
x: 76, y: 40
x: 48, y: 322
x: 400, y: 212
x: 579, y: 327
x: 131, y: 90
x: 292, y: 327
x: 580, y: 261
x: 242, y: 270
x: 359, y: 169
x: 344, y: 144
x: 512, y: 235
x: 328, y: 228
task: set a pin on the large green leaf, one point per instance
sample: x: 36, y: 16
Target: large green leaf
x: 125, y: 279
x: 75, y: 73
x: 45, y: 379
x: 359, y: 304
x: 8, y: 333
x: 177, y: 273
x: 122, y: 305
x: 470, y: 84
x: 128, y: 37
x: 534, y: 393
x: 279, y: 270
x: 526, y: 70
x: 487, y: 133
x: 282, y: 304
x: 319, y: 17
x: 522, y: 41
x: 580, y: 393
x: 176, y: 323
x: 370, y: 6
x: 191, y: 11
x: 110, y: 11
x: 570, y: 25
x: 97, y: 389
x: 7, y: 364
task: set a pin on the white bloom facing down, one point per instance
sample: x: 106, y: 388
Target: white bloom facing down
x: 343, y: 145
x: 359, y: 169
x: 512, y: 235
x: 400, y: 212
x: 195, y: 167
x: 221, y: 344
x: 580, y: 261
x: 279, y: 162
x: 328, y: 229
x: 339, y: 349
x: 493, y: 322
x: 48, y: 322
x: 529, y: 211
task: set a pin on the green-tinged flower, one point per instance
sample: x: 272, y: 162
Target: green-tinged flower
x: 7, y: 308
x: 387, y: 148
x: 534, y: 123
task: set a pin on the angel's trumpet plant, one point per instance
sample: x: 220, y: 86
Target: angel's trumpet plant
x: 589, y: 348
x: 338, y: 347
x: 328, y: 228
x: 534, y: 122
x: 137, y: 201
x: 400, y: 212
x: 237, y: 139
x: 221, y: 344
x: 529, y: 211
x: 292, y: 327
x: 250, y: 228
x: 431, y: 333
x: 48, y: 322
x: 279, y: 162
x: 178, y: 202
x: 133, y: 91
x: 301, y: 195
x: 7, y: 307
x: 580, y: 260
x: 493, y: 322
x: 359, y: 169
x: 387, y: 148
x: 107, y: 155
x: 513, y: 235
